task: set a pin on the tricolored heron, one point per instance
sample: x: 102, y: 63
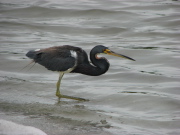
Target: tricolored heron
x: 70, y: 59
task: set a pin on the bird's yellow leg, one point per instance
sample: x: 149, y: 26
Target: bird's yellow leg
x: 58, y: 84
x: 58, y: 94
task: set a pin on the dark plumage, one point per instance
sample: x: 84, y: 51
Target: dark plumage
x: 56, y: 58
x: 73, y: 60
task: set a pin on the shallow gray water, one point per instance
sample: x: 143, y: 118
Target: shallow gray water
x: 132, y: 98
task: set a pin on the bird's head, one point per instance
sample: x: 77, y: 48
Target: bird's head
x: 106, y: 50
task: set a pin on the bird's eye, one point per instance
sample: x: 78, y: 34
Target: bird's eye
x: 106, y: 51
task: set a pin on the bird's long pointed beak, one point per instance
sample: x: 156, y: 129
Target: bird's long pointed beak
x: 109, y: 52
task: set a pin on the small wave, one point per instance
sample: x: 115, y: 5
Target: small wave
x: 57, y: 12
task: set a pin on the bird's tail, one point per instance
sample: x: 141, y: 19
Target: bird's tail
x: 31, y: 54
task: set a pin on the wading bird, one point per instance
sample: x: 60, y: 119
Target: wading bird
x: 70, y: 59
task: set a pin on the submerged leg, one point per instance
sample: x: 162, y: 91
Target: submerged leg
x: 58, y: 94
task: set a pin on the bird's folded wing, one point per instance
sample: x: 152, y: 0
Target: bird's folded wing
x: 56, y: 63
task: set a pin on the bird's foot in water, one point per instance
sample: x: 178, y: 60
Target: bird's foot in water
x: 71, y: 97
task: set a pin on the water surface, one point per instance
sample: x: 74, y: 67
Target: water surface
x: 132, y: 98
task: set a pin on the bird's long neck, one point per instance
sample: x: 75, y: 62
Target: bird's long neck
x: 100, y: 65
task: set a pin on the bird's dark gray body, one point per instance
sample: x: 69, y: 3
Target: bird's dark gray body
x: 58, y: 58
x: 64, y: 58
